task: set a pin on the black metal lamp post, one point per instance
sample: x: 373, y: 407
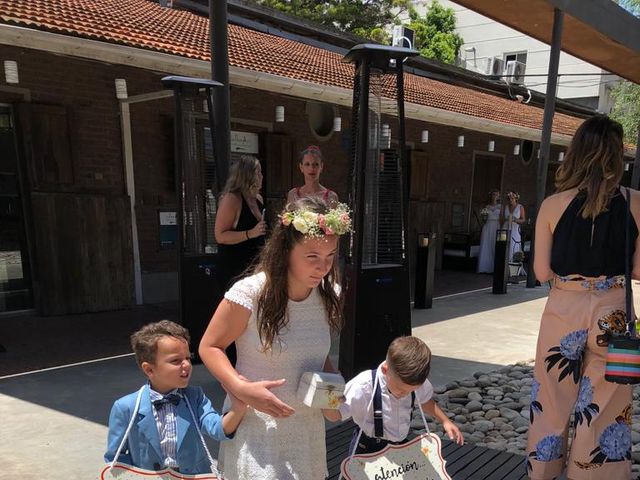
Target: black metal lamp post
x: 199, y: 292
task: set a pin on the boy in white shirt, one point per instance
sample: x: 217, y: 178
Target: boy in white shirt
x: 401, y: 380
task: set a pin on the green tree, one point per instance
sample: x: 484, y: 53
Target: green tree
x: 626, y: 108
x: 632, y: 6
x: 435, y: 35
x: 365, y: 18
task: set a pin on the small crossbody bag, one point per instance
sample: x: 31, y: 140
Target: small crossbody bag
x: 623, y: 354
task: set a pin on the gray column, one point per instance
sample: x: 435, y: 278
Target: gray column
x: 547, y: 123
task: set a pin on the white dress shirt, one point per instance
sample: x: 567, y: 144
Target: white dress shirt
x: 396, y: 412
x: 167, y: 424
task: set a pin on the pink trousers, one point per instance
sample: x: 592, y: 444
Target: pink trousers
x: 580, y: 316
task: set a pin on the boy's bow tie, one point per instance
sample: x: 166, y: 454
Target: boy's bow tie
x: 173, y: 398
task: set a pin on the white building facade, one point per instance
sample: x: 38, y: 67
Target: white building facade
x: 485, y: 38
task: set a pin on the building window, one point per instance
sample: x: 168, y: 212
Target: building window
x: 517, y: 56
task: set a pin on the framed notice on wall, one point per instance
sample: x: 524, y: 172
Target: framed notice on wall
x: 168, y: 229
x: 244, y: 142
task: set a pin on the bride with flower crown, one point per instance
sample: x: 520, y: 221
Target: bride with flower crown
x: 281, y: 319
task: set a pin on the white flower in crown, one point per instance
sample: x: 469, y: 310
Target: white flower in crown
x: 310, y: 217
x: 336, y: 221
x: 300, y: 225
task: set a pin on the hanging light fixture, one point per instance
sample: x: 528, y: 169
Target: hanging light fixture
x: 460, y: 141
x: 425, y: 136
x: 121, y: 89
x: 280, y: 114
x: 516, y: 149
x: 337, y: 124
x: 11, y: 71
x: 492, y: 145
x: 385, y: 133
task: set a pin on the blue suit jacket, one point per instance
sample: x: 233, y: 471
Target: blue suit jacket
x: 143, y: 445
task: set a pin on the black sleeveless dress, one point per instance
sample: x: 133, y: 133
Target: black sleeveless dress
x: 233, y: 260
x: 592, y: 248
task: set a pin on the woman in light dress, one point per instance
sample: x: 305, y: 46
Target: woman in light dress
x: 513, y: 217
x: 311, y: 166
x: 281, y: 319
x: 488, y: 234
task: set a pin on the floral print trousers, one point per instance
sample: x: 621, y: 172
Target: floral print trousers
x: 580, y: 316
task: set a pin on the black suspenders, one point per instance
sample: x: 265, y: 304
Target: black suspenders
x: 378, y: 426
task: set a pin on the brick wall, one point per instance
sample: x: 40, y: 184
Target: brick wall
x: 87, y: 89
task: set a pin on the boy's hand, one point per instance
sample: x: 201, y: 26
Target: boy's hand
x: 453, y: 432
x: 236, y: 404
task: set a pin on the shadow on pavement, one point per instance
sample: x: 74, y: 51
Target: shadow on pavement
x: 473, y: 303
x: 33, y: 342
x: 88, y: 391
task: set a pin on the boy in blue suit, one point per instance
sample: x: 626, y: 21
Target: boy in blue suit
x: 164, y: 433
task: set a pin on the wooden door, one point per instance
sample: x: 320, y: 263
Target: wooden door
x: 47, y: 147
x: 277, y: 167
x: 424, y: 215
x: 82, y: 248
x: 487, y: 175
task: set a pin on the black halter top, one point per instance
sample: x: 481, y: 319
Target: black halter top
x: 592, y: 248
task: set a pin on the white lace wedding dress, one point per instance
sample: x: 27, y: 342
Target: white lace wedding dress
x: 267, y: 448
x: 488, y: 240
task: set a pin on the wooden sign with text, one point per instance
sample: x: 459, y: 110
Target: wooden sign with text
x: 419, y: 459
x: 122, y: 471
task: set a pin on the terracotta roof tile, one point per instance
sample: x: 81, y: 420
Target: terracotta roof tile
x: 145, y: 24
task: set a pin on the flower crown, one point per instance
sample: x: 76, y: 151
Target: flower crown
x: 336, y: 221
x: 513, y: 194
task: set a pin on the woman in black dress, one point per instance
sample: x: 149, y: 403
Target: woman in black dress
x: 240, y: 225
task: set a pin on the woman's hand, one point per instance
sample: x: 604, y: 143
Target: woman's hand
x: 259, y: 396
x: 259, y: 230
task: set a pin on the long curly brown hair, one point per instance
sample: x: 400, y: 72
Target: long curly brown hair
x: 594, y: 163
x: 272, y: 314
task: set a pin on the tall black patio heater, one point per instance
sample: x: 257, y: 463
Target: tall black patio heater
x: 376, y: 277
x: 197, y: 187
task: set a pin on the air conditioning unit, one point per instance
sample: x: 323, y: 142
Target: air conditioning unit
x: 402, y: 37
x: 514, y: 73
x: 495, y: 67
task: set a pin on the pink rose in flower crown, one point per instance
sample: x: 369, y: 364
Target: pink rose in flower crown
x: 322, y: 222
x: 345, y: 218
x: 286, y: 219
x: 328, y: 231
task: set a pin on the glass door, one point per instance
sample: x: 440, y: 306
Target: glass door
x: 15, y: 278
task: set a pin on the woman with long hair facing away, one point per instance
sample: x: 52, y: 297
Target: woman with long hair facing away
x: 240, y: 225
x: 490, y: 215
x: 513, y: 216
x: 311, y: 166
x: 580, y: 247
x: 281, y: 319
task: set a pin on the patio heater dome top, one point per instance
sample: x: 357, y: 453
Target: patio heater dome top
x: 378, y: 55
x: 171, y: 81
